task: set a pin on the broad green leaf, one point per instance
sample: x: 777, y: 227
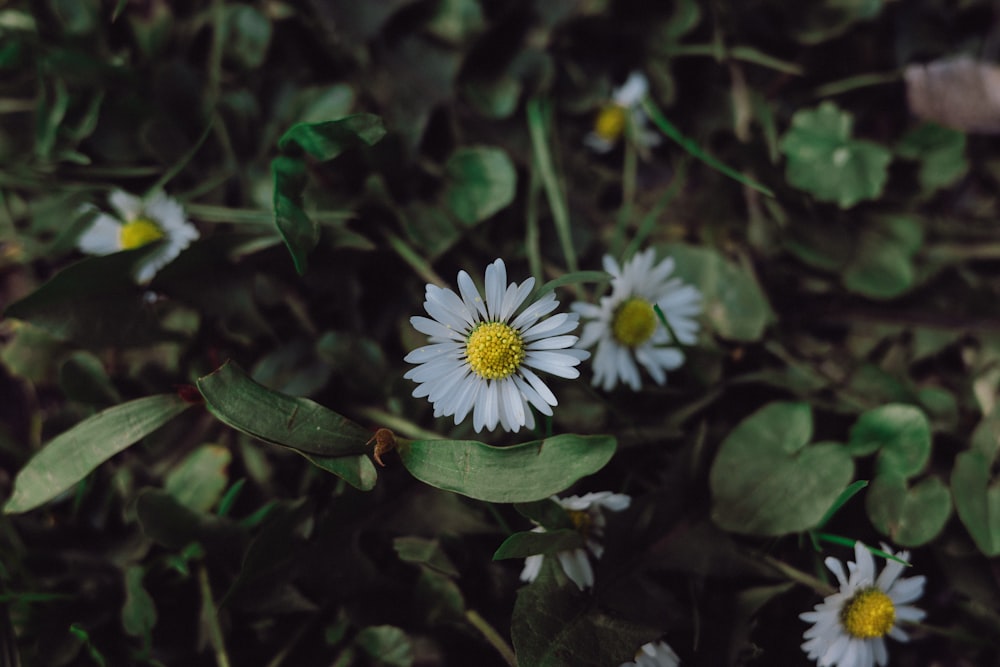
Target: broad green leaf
x: 940, y: 151
x: 298, y: 231
x: 94, y: 303
x: 327, y: 140
x: 72, y: 455
x: 734, y: 304
x: 328, y: 440
x: 521, y: 473
x: 139, y: 610
x: 481, y: 180
x: 977, y: 499
x: 901, y: 433
x: 425, y: 552
x: 440, y: 599
x: 200, y: 479
x: 82, y: 377
x: 528, y: 543
x: 168, y: 523
x: 910, y: 517
x: 767, y: 479
x: 882, y: 264
x: 297, y: 423
x: 386, y: 645
x: 546, y: 513
x: 560, y: 626
x: 825, y: 160
x: 247, y: 35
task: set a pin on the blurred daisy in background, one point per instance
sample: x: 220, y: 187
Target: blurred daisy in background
x: 850, y: 626
x: 615, y: 116
x: 139, y: 221
x: 654, y: 654
x: 484, y: 352
x: 587, y: 514
x: 625, y: 326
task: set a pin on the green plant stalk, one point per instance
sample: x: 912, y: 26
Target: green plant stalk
x: 413, y: 258
x: 648, y: 222
x: 629, y: 169
x: 692, y: 147
x: 543, y: 160
x: 532, y: 244
x: 211, y: 616
x: 492, y: 636
x: 798, y: 576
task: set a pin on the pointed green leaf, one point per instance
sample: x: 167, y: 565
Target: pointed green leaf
x: 72, y: 455
x: 528, y: 543
x: 327, y: 140
x: 298, y: 231
x: 521, y: 473
x: 767, y: 480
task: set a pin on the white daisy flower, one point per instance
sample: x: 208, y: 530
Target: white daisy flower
x: 587, y: 516
x: 140, y: 221
x: 612, y: 119
x: 484, y: 352
x: 849, y: 627
x: 654, y: 654
x: 626, y: 329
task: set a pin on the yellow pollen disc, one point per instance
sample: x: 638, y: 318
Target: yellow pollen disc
x: 139, y: 232
x: 581, y: 520
x: 634, y: 322
x: 494, y: 350
x: 869, y: 614
x: 610, y: 122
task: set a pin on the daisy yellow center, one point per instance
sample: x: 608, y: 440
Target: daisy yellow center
x: 581, y: 520
x: 494, y: 350
x: 139, y: 232
x: 610, y: 122
x: 634, y: 322
x: 869, y: 614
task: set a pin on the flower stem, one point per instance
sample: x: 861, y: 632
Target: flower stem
x: 492, y: 636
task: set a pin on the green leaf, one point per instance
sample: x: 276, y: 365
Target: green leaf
x: 386, y: 645
x: 328, y: 440
x: 546, y: 513
x: 425, y: 552
x: 882, y: 263
x: 94, y: 303
x: 900, y: 431
x: 72, y: 455
x: 940, y: 151
x: 247, y: 35
x: 767, y: 480
x: 327, y: 140
x: 481, y: 180
x: 734, y: 304
x: 977, y: 499
x: 200, y: 479
x: 139, y: 610
x: 298, y: 231
x: 521, y: 473
x: 559, y: 626
x: 911, y: 517
x: 824, y: 160
x: 528, y: 543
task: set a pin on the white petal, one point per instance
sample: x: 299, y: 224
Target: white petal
x: 632, y: 91
x: 532, y: 567
x: 577, y: 567
x: 128, y: 207
x: 470, y: 295
x: 102, y: 237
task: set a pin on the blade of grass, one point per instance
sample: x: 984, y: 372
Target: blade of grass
x: 413, y: 258
x: 538, y: 128
x: 841, y: 500
x: 692, y: 147
x: 532, y: 244
x: 649, y: 220
x: 848, y: 542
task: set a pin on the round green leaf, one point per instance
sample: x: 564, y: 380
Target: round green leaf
x: 824, y: 160
x: 909, y: 516
x: 940, y: 151
x: 767, y: 480
x: 387, y: 644
x: 977, y: 499
x: 521, y: 473
x: 481, y: 181
x: 72, y: 455
x: 248, y: 35
x: 900, y: 431
x: 882, y: 264
x: 734, y: 303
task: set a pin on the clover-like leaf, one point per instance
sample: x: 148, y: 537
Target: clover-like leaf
x: 767, y: 479
x: 909, y: 516
x: 901, y: 433
x: 481, y: 181
x: 977, y: 499
x: 825, y: 160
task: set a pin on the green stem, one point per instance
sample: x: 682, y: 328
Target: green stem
x: 532, y: 244
x: 413, y: 258
x: 799, y: 576
x: 543, y: 160
x: 398, y: 424
x: 211, y: 617
x: 492, y: 636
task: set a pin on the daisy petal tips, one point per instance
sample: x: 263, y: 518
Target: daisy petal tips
x: 139, y: 221
x: 626, y: 329
x: 849, y: 627
x: 484, y: 353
